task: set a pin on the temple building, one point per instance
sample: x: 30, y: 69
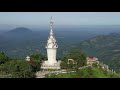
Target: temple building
x: 51, y: 47
x: 91, y: 60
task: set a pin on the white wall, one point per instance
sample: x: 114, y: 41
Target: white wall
x: 51, y: 53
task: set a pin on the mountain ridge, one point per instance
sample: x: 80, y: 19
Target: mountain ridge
x: 105, y: 47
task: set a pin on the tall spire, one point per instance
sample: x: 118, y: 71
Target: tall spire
x: 51, y: 27
x: 51, y: 42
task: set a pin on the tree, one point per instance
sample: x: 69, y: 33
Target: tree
x: 36, y: 60
x: 78, y: 57
x: 17, y: 69
x: 36, y: 56
x: 63, y: 63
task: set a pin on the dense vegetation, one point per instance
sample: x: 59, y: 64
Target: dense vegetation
x: 16, y: 68
x: 94, y: 71
x: 78, y: 57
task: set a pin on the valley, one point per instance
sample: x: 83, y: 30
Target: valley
x: 105, y: 45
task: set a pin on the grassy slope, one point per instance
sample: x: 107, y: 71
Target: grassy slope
x: 93, y: 72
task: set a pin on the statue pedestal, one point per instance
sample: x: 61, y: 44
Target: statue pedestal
x: 47, y: 65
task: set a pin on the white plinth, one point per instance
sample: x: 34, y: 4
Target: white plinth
x: 48, y: 65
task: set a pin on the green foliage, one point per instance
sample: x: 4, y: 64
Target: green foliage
x: 37, y: 56
x: 3, y: 57
x: 35, y: 66
x: 68, y: 75
x: 37, y: 59
x: 64, y: 64
x: 78, y: 57
x: 17, y: 69
x: 95, y: 65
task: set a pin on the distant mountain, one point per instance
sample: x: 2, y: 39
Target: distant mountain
x: 23, y: 41
x: 105, y: 47
x: 18, y: 34
x: 20, y: 30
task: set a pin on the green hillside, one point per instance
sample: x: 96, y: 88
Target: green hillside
x: 90, y: 72
x: 105, y: 47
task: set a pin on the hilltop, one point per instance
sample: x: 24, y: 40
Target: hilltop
x: 20, y: 30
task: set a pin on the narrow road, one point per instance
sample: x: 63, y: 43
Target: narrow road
x: 41, y: 74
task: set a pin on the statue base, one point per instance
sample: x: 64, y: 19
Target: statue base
x: 47, y: 65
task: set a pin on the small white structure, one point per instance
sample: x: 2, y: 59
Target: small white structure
x: 72, y: 61
x: 51, y: 47
x: 27, y: 58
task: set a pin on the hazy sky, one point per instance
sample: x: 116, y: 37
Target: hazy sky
x: 39, y: 19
